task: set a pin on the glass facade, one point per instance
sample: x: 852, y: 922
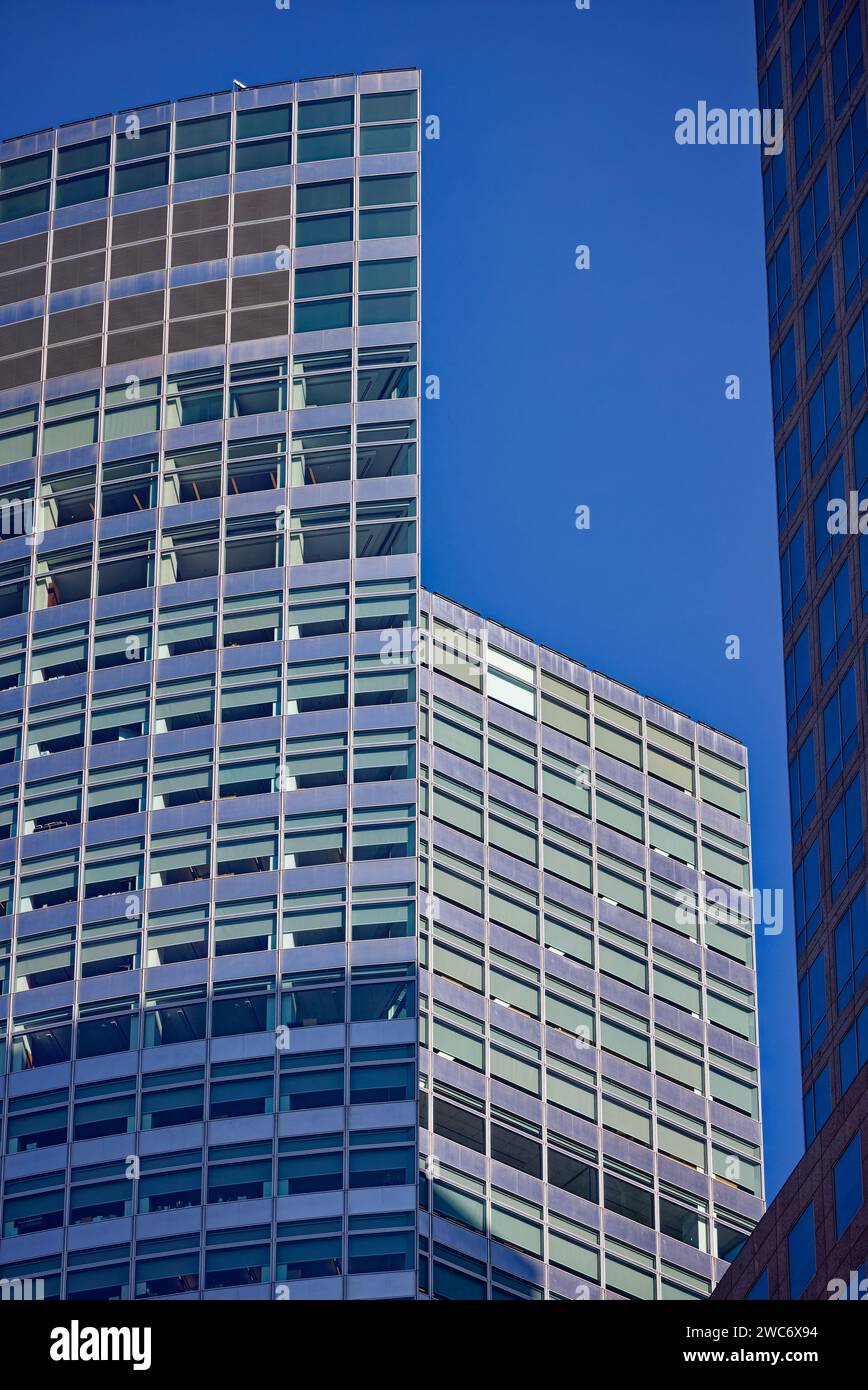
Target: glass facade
x: 589, y: 1067
x: 209, y: 441
x: 289, y: 849
x: 811, y: 59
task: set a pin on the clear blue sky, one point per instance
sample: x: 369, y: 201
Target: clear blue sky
x: 558, y: 387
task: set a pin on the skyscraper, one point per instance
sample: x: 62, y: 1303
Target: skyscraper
x: 351, y: 947
x: 812, y: 65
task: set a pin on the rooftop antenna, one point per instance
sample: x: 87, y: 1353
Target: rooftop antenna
x: 242, y: 86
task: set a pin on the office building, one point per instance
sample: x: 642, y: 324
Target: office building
x: 288, y: 842
x: 813, y: 1241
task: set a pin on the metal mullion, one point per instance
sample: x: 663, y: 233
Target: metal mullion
x: 418, y: 720
x: 351, y: 683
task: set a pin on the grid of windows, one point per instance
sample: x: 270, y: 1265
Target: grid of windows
x: 811, y: 59
x: 208, y: 877
x: 236, y: 741
x: 812, y: 65
x: 586, y: 944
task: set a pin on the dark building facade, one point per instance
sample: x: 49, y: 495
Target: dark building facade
x: 813, y: 1241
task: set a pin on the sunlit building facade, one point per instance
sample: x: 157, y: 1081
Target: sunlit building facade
x: 350, y: 947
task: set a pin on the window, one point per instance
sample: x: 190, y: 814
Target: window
x: 204, y: 164
x: 324, y: 213
x: 324, y: 115
x: 125, y: 419
x: 315, y: 762
x: 385, y: 528
x: 379, y: 684
x: 809, y: 129
x: 688, y: 1223
x: 835, y: 621
x: 772, y: 86
x: 562, y: 782
x: 383, y: 832
x: 845, y: 837
x: 609, y: 721
x: 320, y: 838
x: 33, y: 1204
x: 852, y: 154
x: 319, y: 685
x: 319, y: 534
x: 817, y: 1105
x: 775, y: 198
x: 784, y: 379
x: 17, y: 173
x: 85, y: 189
x: 794, y: 577
x: 804, y: 41
x: 385, y: 451
x: 847, y: 62
x: 47, y: 959
x: 797, y: 673
x: 263, y: 154
x: 321, y: 379
x: 853, y: 1051
x: 169, y: 1182
x: 187, y: 628
x: 387, y: 290
x: 824, y: 415
x: 114, y: 867
x: 626, y: 1199
x: 854, y: 245
x: 135, y: 143
x: 51, y: 804
x: 312, y: 1163
x: 512, y: 682
x: 263, y: 120
x: 767, y: 23
x: 41, y: 1040
x: 814, y: 218
x: 857, y: 352
x: 848, y: 1185
x: 17, y: 443
x: 381, y: 1158
x: 319, y: 611
x: 397, y: 108
x: 386, y: 373
x: 312, y: 1081
x: 851, y: 949
x: 37, y: 1121
x: 71, y: 423
x: 813, y: 1008
x: 802, y: 1253
x: 827, y: 544
x: 840, y: 728
x: 819, y: 318
x: 780, y: 285
x: 377, y: 218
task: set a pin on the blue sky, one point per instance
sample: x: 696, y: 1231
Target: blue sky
x: 559, y: 387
